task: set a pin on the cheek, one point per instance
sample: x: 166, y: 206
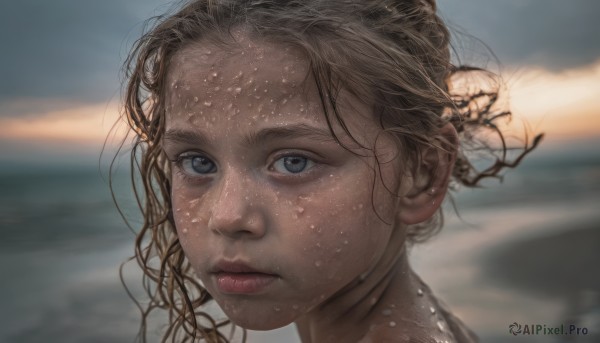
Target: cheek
x: 339, y: 236
x: 190, y: 223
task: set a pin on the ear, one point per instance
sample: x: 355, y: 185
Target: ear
x: 430, y: 184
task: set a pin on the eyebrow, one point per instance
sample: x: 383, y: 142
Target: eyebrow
x: 256, y: 138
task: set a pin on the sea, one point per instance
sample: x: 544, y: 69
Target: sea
x: 514, y: 255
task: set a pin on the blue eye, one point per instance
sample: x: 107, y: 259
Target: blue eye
x: 197, y: 165
x: 292, y: 164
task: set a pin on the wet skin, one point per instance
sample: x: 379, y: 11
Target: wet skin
x: 258, y: 178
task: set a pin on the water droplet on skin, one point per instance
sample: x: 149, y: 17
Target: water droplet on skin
x: 217, y: 89
x: 318, y: 264
x: 284, y: 101
x: 312, y: 226
x: 238, y: 90
x: 176, y: 86
x: 373, y: 301
x: 196, y: 99
x: 318, y: 245
x: 177, y: 210
x: 187, y: 214
x: 215, y: 74
x: 207, y: 103
x: 360, y: 206
x: 420, y: 292
x: 185, y: 230
x: 255, y: 69
x: 432, y: 310
x: 195, y: 220
x: 286, y: 68
x: 346, y: 242
x: 300, y: 210
x: 440, y: 325
x: 338, y: 250
x: 392, y: 324
x: 277, y: 309
x: 386, y: 312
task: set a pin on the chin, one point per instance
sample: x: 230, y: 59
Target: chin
x: 260, y: 319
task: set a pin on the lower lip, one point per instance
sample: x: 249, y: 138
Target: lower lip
x: 243, y: 283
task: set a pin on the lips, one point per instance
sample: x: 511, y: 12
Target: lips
x: 240, y: 278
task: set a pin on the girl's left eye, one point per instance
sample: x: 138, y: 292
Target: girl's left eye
x: 292, y: 164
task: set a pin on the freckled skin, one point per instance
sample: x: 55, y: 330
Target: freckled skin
x: 317, y: 231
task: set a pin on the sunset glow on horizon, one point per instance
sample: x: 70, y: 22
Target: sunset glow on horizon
x: 563, y: 105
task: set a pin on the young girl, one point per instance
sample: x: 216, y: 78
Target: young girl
x: 289, y: 152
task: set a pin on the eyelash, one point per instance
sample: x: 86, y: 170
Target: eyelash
x: 182, y: 158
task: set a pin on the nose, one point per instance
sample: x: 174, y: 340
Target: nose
x: 234, y: 214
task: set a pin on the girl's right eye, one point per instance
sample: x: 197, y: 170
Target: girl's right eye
x: 196, y: 164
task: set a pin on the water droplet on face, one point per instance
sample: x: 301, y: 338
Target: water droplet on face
x: 338, y: 250
x: 207, y: 103
x: 432, y: 310
x: 392, y: 324
x: 300, y: 210
x: 238, y: 90
x: 440, y: 325
x: 360, y: 206
x: 215, y: 74
x: 386, y: 312
x: 284, y: 101
x: 318, y: 264
x: 420, y: 292
x: 195, y: 99
x: 346, y: 242
x: 312, y: 226
x: 217, y: 89
x: 195, y: 220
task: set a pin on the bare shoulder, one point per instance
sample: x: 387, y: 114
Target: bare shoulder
x: 389, y: 333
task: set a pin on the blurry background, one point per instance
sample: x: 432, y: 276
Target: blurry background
x: 524, y: 251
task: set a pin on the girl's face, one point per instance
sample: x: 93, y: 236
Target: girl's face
x: 260, y: 185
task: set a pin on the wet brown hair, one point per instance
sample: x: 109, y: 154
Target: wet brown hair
x: 394, y: 53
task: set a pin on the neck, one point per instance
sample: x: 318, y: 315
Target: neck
x: 385, y: 296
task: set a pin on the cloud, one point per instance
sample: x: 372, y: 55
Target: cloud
x: 66, y: 49
x: 554, y: 34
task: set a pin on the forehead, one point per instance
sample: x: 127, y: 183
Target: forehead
x: 243, y: 60
x: 254, y: 75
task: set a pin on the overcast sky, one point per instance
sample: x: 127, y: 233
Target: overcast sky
x: 72, y: 50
